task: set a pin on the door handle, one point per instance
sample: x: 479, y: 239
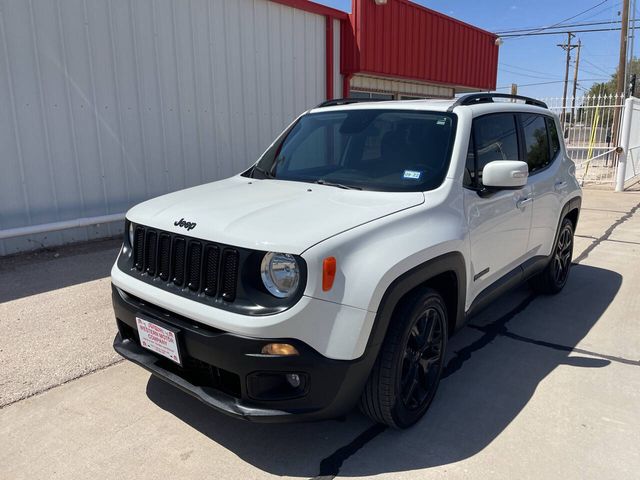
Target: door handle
x: 522, y: 203
x: 560, y: 185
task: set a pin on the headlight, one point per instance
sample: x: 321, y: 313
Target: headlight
x: 280, y: 274
x: 132, y: 231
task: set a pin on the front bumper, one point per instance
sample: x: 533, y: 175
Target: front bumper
x: 228, y: 372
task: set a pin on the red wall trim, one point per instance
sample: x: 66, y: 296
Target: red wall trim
x: 313, y: 7
x: 329, y: 56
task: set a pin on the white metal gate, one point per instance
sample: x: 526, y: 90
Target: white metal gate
x: 629, y: 160
x: 589, y: 130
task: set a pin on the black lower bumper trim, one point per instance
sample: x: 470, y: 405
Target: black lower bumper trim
x: 225, y: 403
x: 220, y: 368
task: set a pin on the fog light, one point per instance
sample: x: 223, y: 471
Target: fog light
x: 282, y: 349
x: 293, y: 379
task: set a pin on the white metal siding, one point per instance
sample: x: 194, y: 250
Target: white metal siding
x: 107, y: 103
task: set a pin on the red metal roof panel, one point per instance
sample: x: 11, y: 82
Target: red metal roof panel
x: 403, y: 39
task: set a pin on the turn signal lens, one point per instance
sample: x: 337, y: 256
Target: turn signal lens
x: 328, y: 273
x: 282, y: 349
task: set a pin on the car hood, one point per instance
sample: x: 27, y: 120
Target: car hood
x: 270, y: 215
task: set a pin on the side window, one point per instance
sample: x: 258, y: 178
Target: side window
x: 536, y: 141
x: 553, y: 137
x: 496, y: 139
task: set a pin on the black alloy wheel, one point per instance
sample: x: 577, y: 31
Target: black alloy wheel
x: 554, y: 277
x: 422, y: 359
x: 561, y: 261
x: 406, y: 375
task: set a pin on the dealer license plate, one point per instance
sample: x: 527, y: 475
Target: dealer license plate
x: 158, y: 339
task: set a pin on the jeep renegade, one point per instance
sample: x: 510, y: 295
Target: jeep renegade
x: 332, y: 272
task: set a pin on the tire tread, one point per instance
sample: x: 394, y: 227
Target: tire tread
x: 378, y: 397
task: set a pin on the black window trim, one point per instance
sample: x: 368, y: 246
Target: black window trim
x: 552, y: 157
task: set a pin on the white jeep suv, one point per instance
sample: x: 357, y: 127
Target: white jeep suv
x: 332, y: 272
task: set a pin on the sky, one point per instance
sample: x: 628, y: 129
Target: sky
x: 537, y: 59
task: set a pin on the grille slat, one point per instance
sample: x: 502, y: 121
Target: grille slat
x: 138, y: 248
x: 229, y: 274
x: 211, y: 260
x: 195, y: 261
x: 164, y: 256
x: 196, y: 266
x: 179, y: 247
x: 150, y: 245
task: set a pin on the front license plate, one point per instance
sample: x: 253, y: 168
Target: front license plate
x: 158, y: 339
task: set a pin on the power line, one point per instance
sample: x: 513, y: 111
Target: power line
x: 549, y: 83
x: 525, y: 74
x: 567, y: 25
x: 602, y: 70
x: 522, y: 68
x: 558, y: 24
x: 590, y: 72
x: 564, y: 32
x: 610, y: 8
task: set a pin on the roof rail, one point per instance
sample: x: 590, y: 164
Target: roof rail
x: 347, y: 101
x: 476, y: 98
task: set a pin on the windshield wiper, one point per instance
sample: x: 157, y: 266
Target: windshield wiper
x: 338, y: 185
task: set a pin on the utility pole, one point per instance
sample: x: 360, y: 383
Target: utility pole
x: 622, y: 64
x: 575, y: 83
x: 632, y: 41
x: 622, y: 61
x: 568, y: 48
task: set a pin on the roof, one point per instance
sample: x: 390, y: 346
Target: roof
x: 435, y: 105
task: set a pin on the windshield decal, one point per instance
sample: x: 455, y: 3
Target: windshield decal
x: 412, y: 175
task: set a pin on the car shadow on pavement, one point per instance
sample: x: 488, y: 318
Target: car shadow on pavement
x: 51, y: 269
x: 494, y: 367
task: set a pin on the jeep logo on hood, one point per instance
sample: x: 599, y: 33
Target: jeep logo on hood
x: 184, y: 224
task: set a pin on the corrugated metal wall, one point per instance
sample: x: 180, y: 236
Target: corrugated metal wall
x: 104, y: 103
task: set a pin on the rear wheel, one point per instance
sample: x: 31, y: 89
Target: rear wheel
x: 407, y: 371
x: 554, y: 277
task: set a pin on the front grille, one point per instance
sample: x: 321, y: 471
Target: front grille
x: 190, y: 264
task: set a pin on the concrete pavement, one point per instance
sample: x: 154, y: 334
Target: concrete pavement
x: 55, y: 311
x: 535, y: 387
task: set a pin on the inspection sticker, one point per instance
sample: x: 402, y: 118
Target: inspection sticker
x: 157, y: 339
x: 412, y: 174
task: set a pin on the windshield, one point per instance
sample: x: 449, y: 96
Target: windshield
x: 388, y: 150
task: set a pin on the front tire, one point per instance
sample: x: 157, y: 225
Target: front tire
x: 554, y: 277
x: 407, y: 371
